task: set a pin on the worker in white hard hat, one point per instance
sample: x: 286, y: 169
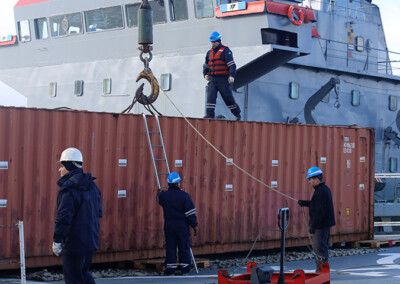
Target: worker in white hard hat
x: 76, y: 232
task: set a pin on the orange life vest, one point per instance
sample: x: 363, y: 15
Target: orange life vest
x: 217, y: 66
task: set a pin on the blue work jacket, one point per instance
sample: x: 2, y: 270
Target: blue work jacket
x: 78, y: 211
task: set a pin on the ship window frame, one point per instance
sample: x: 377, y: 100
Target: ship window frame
x: 36, y: 27
x: 393, y: 103
x: 196, y: 10
x: 107, y: 86
x: 156, y: 20
x: 24, y: 31
x: 294, y: 92
x: 360, y: 43
x: 355, y: 98
x: 103, y: 30
x: 165, y: 82
x: 68, y: 32
x: 78, y: 88
x: 326, y: 98
x: 393, y: 165
x: 177, y: 4
x: 53, y: 89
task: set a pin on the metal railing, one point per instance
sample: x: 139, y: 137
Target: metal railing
x: 361, y: 57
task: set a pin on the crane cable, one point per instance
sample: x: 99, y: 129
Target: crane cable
x: 316, y: 256
x: 219, y: 152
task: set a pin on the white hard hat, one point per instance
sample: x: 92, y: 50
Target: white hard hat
x: 71, y: 154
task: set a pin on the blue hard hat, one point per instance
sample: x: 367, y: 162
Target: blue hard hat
x: 313, y: 171
x: 173, y: 178
x: 215, y: 36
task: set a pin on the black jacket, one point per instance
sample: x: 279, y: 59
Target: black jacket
x: 178, y: 207
x: 321, y: 208
x: 78, y: 212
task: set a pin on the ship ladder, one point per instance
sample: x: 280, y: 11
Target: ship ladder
x: 157, y: 161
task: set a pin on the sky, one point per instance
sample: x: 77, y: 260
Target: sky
x: 390, y: 11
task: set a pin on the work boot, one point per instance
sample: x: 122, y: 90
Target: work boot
x: 184, y: 270
x: 169, y: 272
x: 238, y: 117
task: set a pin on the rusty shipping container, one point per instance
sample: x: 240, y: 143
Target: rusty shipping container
x: 232, y: 207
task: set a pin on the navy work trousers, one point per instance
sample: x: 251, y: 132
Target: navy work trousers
x: 76, y: 268
x: 220, y: 83
x: 320, y: 241
x: 177, y: 235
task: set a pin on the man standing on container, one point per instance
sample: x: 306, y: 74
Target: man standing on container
x: 219, y: 70
x: 322, y: 216
x: 76, y: 232
x: 179, y: 214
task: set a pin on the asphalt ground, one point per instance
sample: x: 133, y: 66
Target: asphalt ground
x: 381, y: 267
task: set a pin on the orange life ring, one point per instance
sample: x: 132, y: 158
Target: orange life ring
x: 291, y: 12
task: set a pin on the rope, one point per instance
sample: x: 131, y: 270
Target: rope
x: 219, y: 152
x: 317, y: 257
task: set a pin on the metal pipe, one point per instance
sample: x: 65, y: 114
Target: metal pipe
x: 22, y: 251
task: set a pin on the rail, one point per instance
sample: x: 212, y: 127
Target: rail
x: 392, y: 224
x: 350, y: 9
x: 362, y: 57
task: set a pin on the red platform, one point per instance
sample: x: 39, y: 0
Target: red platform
x: 297, y: 277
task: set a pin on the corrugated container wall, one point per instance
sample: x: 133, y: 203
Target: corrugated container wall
x: 116, y: 151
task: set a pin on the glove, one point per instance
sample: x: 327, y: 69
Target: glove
x: 207, y: 77
x: 231, y: 80
x: 196, y: 230
x: 302, y: 203
x: 57, y: 248
x: 311, y: 231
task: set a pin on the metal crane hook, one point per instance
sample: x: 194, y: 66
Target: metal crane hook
x: 155, y: 89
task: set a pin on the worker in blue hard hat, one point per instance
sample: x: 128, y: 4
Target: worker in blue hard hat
x: 179, y: 216
x: 322, y: 216
x: 219, y: 70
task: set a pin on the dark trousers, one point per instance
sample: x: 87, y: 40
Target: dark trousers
x: 76, y: 268
x: 320, y: 241
x: 177, y: 236
x: 220, y: 83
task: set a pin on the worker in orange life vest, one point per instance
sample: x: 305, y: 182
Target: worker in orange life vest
x: 220, y: 70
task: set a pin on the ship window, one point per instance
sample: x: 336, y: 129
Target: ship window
x: 393, y: 165
x: 166, y: 81
x: 69, y: 24
x: 392, y: 103
x: 294, y: 90
x: 179, y: 10
x: 325, y: 99
x: 107, y: 86
x: 78, y: 89
x: 158, y: 8
x: 53, y: 89
x: 360, y: 43
x: 23, y: 31
x: 203, y: 8
x: 41, y: 29
x: 104, y: 19
x: 355, y: 98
